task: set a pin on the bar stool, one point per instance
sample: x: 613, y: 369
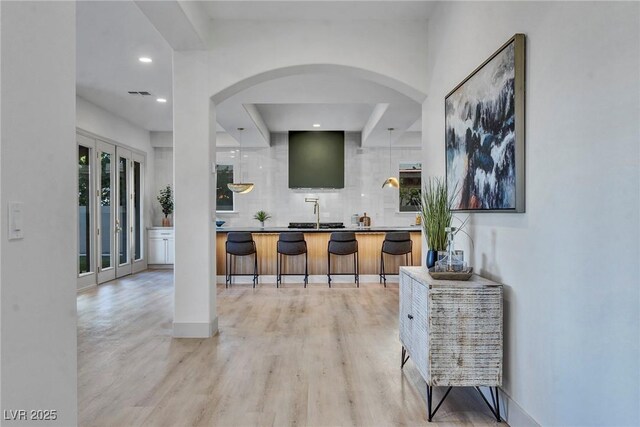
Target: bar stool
x: 240, y: 244
x: 396, y: 243
x: 343, y: 243
x: 291, y: 244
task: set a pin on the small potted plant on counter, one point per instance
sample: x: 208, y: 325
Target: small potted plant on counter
x: 261, y: 216
x: 435, y: 210
x: 166, y: 203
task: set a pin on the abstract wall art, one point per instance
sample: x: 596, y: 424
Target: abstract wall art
x: 484, y: 134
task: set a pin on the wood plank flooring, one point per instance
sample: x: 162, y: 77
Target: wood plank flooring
x: 288, y: 356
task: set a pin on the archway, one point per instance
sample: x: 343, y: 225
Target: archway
x: 331, y: 69
x: 195, y: 313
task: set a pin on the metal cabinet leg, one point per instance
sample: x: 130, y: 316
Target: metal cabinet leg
x: 430, y: 413
x: 404, y: 357
x: 495, y: 409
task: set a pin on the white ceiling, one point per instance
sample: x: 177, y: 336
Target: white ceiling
x: 111, y: 36
x: 286, y: 117
x: 318, y: 10
x: 336, y: 102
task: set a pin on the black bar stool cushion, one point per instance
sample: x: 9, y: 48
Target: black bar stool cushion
x: 397, y: 236
x: 292, y: 236
x: 240, y: 243
x: 292, y: 243
x: 397, y: 243
x: 343, y: 243
x: 343, y: 236
x: 239, y: 237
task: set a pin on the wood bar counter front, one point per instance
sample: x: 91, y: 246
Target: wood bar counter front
x: 369, y: 246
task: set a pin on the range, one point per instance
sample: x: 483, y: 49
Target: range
x: 325, y: 225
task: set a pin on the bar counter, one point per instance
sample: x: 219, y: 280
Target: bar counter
x: 369, y: 247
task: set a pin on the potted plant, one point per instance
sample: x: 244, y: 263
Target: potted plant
x: 166, y: 203
x: 435, y: 210
x: 261, y: 216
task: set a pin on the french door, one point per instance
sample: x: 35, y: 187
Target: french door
x: 106, y: 211
x: 124, y: 229
x: 86, y: 206
x: 110, y: 211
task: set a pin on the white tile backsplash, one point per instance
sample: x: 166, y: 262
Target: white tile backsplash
x: 365, y: 171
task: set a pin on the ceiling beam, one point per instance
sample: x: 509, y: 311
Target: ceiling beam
x: 257, y: 119
x: 184, y: 25
x: 374, y: 118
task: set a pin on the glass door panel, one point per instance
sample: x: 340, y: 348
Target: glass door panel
x: 106, y: 202
x: 137, y: 217
x: 86, y: 205
x: 137, y: 210
x: 122, y: 206
x: 106, y: 160
x: 85, y: 261
x: 123, y: 225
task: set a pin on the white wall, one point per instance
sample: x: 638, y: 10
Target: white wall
x: 570, y: 263
x: 244, y: 48
x: 37, y: 167
x: 194, y: 124
x: 103, y: 123
x: 365, y: 171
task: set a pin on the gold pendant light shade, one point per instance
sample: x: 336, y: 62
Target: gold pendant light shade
x: 391, y: 182
x: 240, y: 187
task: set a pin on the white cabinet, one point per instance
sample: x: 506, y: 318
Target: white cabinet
x: 171, y: 250
x: 161, y: 246
x: 452, y: 330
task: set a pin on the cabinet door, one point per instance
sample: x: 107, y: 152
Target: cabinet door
x: 420, y: 332
x: 157, y: 251
x: 171, y: 249
x: 405, y: 322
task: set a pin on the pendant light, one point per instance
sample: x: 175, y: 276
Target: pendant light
x: 240, y: 187
x: 392, y: 181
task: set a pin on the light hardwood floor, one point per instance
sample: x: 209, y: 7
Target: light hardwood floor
x: 288, y: 356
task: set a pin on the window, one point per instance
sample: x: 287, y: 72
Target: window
x: 224, y: 196
x: 410, y: 186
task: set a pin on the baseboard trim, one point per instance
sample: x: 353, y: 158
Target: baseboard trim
x: 313, y: 279
x: 511, y: 412
x: 195, y: 329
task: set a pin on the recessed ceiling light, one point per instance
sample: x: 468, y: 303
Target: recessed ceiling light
x: 162, y: 100
x: 316, y: 125
x: 145, y: 59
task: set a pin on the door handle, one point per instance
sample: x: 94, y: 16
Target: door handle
x: 118, y: 226
x: 410, y: 317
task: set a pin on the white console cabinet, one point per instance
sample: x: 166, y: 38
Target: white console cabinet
x: 161, y: 246
x: 452, y: 330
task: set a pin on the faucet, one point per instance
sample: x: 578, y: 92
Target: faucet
x: 316, y: 209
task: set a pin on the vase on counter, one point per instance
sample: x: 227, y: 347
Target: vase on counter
x: 166, y: 222
x: 432, y: 257
x: 261, y: 224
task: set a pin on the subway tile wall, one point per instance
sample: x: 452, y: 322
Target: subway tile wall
x: 365, y: 171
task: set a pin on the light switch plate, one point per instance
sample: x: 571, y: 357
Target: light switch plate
x: 16, y: 225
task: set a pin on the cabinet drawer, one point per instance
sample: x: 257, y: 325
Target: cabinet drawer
x: 161, y: 234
